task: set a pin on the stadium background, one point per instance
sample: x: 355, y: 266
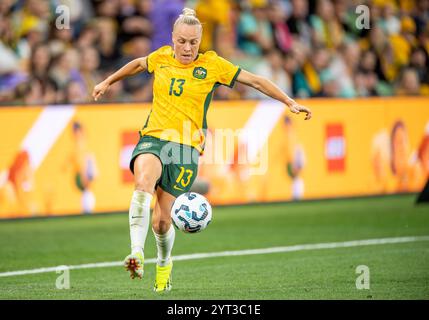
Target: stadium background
x: 62, y: 154
x: 308, y: 48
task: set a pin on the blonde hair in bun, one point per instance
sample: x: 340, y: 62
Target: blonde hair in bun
x: 189, y: 12
x: 188, y: 17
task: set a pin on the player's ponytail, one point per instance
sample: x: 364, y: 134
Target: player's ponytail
x: 188, y: 17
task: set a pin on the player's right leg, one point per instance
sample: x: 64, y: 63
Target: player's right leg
x: 147, y: 171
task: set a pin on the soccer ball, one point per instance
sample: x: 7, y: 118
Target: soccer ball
x: 191, y: 212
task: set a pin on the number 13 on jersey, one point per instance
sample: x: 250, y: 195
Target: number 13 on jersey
x: 176, y: 87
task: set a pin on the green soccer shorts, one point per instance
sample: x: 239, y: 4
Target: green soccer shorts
x: 179, y: 163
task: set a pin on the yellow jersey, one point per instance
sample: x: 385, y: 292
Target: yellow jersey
x: 182, y: 94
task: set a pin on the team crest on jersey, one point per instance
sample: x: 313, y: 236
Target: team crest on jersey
x: 200, y: 73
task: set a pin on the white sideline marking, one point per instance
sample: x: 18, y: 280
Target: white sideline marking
x: 300, y: 247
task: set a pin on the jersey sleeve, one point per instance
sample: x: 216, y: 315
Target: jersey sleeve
x: 227, y: 72
x: 152, y: 61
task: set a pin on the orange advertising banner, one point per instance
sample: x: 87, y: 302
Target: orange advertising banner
x: 74, y: 159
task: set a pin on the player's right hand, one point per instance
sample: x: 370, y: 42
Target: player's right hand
x: 100, y: 89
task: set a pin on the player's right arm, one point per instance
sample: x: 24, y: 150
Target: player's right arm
x: 131, y: 68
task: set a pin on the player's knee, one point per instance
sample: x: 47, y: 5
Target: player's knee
x: 144, y: 183
x: 162, y: 225
x: 147, y: 169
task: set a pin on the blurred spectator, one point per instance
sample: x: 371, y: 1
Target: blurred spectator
x: 51, y: 95
x: 254, y: 29
x: 327, y: 30
x: 290, y: 65
x: 342, y: 69
x: 163, y: 15
x: 107, y: 42
x: 30, y: 92
x: 88, y: 73
x: 409, y: 83
x: 139, y: 85
x: 9, y: 62
x: 402, y: 45
x: 378, y: 42
x: 421, y: 16
x: 136, y: 23
x: 389, y: 20
x: 298, y: 22
x: 330, y: 88
x: 40, y: 60
x: 307, y: 82
x: 366, y: 79
x: 271, y: 67
x: 33, y: 13
x: 37, y: 91
x: 345, y: 14
x: 215, y: 15
x: 65, y: 68
x: 107, y: 8
x: 60, y: 39
x: 281, y: 33
x: 88, y: 36
x: 365, y: 84
x: 30, y: 39
x: 74, y: 92
x: 419, y: 60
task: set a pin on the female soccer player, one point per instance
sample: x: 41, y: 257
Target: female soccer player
x: 165, y: 160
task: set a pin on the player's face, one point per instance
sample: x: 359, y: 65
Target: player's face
x: 186, y: 42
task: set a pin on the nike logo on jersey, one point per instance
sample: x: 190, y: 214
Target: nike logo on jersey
x: 164, y: 67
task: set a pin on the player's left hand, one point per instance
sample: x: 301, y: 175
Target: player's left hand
x: 297, y: 108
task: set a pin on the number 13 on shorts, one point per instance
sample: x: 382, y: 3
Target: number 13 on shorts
x: 184, y: 177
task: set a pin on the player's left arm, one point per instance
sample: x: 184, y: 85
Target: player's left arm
x: 131, y: 68
x: 268, y: 88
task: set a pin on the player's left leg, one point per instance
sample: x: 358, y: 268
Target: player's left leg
x: 164, y: 235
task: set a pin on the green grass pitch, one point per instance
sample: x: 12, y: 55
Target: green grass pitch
x: 397, y: 271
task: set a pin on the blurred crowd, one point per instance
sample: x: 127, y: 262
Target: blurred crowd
x: 55, y: 51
